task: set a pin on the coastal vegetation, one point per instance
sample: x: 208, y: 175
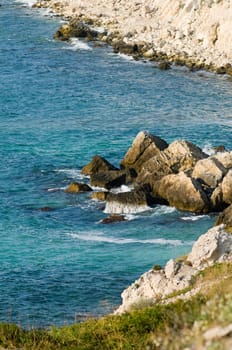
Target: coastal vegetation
x: 202, y: 322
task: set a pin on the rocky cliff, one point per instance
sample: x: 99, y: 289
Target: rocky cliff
x: 159, y: 285
x: 192, y: 32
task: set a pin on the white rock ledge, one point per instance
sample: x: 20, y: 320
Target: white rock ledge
x: 155, y: 286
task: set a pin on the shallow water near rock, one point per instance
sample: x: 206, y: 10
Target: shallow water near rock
x: 61, y: 105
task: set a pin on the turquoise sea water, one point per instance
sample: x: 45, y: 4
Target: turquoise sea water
x: 60, y: 104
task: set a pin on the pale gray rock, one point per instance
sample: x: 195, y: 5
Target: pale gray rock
x: 171, y: 268
x: 215, y: 245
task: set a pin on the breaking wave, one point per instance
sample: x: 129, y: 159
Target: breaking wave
x: 93, y: 237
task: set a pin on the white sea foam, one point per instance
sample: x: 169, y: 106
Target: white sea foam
x: 74, y: 174
x: 93, y: 237
x: 208, y: 149
x: 55, y: 189
x: 76, y: 45
x: 163, y: 209
x: 194, y: 217
x: 29, y: 3
x: 121, y: 189
x: 130, y: 217
x: 120, y: 208
x: 97, y: 189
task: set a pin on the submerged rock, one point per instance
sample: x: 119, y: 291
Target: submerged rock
x: 113, y: 219
x: 98, y: 164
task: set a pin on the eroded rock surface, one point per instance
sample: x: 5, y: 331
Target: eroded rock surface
x: 156, y: 286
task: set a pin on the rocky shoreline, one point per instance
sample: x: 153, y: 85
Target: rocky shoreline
x: 193, y: 33
x: 181, y: 175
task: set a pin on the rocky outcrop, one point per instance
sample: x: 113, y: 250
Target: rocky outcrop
x: 98, y: 164
x: 226, y: 218
x: 76, y: 187
x: 144, y: 147
x: 182, y: 192
x: 180, y: 175
x: 158, y: 285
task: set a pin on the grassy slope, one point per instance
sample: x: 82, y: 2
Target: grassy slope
x: 176, y: 326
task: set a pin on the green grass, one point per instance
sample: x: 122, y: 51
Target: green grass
x: 174, y: 326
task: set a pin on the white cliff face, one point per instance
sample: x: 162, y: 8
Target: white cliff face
x: 198, y: 29
x: 154, y: 286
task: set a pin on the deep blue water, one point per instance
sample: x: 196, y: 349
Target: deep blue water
x: 59, y: 106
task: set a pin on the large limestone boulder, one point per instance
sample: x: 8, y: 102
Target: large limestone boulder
x: 226, y: 218
x: 213, y: 246
x: 178, y: 156
x: 182, y: 192
x: 209, y: 171
x: 127, y: 202
x: 227, y: 187
x: 108, y: 179
x: 143, y: 148
x: 98, y: 164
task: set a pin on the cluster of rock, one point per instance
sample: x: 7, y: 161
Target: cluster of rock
x: 194, y: 33
x: 159, y: 285
x: 179, y: 174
